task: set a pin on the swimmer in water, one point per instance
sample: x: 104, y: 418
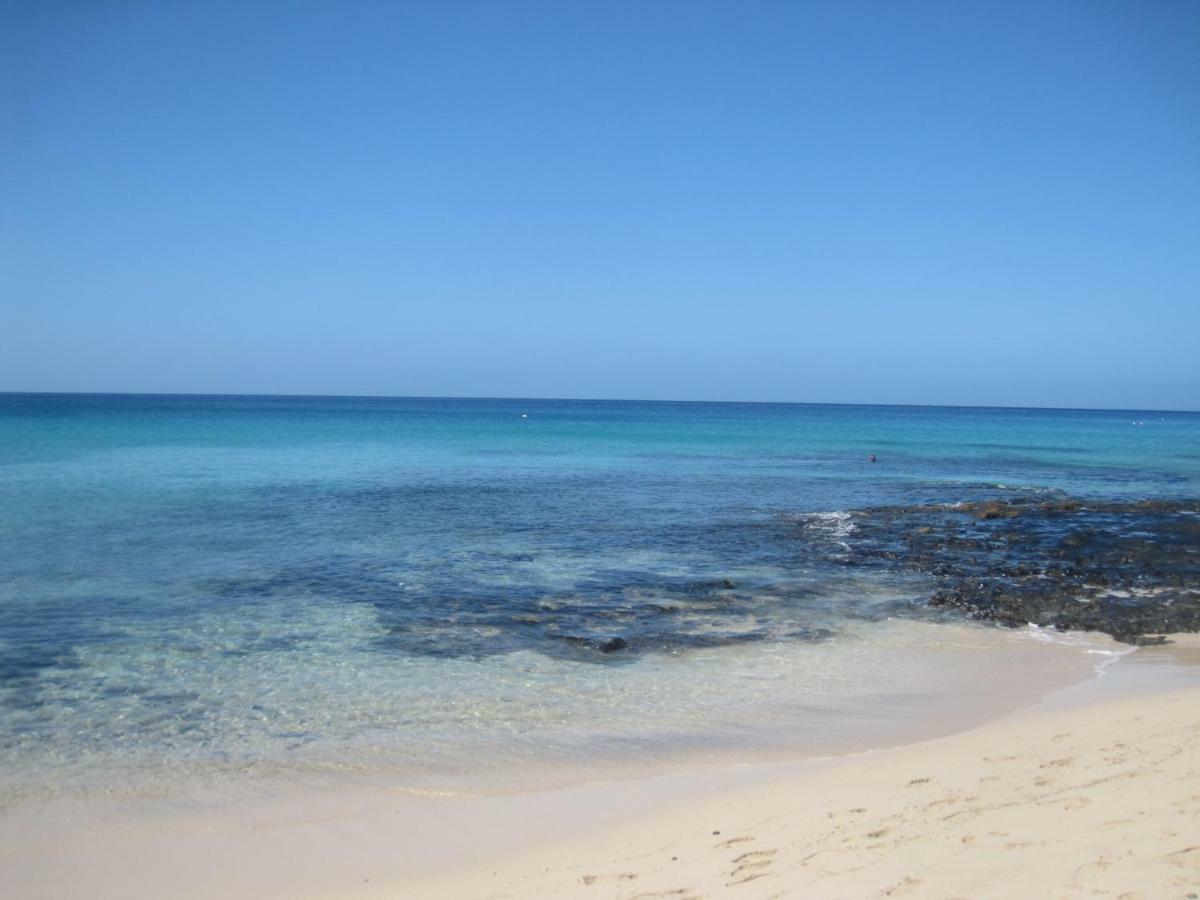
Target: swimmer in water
x: 871, y: 458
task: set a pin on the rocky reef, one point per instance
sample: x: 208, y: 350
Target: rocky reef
x: 1128, y: 569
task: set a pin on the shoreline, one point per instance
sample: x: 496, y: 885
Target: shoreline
x: 369, y: 841
x: 875, y: 684
x: 1095, y: 782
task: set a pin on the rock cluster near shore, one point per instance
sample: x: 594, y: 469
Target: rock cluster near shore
x: 1128, y: 569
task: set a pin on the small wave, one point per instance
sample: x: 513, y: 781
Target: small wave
x: 1089, y: 643
x: 836, y: 525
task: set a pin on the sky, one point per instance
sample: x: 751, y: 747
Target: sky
x: 947, y: 203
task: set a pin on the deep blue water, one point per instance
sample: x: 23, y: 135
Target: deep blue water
x: 229, y: 576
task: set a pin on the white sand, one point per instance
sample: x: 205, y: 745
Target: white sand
x: 1095, y: 802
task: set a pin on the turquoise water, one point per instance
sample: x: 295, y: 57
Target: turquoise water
x: 255, y: 581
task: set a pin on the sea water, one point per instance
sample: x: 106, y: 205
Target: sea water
x: 438, y: 587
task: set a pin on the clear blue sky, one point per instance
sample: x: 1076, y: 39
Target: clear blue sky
x: 976, y: 203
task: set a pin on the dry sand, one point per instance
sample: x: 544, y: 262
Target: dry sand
x: 1095, y: 793
x: 1100, y: 802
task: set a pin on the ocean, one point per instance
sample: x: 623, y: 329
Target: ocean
x: 430, y: 589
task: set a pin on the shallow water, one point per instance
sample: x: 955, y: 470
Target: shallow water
x: 435, y: 587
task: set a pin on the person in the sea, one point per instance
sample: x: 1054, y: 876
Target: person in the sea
x: 871, y: 458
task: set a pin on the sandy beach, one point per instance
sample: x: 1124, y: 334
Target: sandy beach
x: 1093, y: 792
x: 1092, y: 800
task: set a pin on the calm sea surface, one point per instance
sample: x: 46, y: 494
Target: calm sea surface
x: 433, y: 586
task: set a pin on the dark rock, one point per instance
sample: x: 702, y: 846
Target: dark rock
x: 708, y: 586
x: 1059, y: 507
x: 1128, y: 569
x: 996, y: 510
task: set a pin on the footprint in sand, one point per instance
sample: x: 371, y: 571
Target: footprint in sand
x: 909, y: 883
x: 751, y: 865
x: 589, y: 880
x: 754, y: 877
x: 741, y: 839
x: 754, y: 857
x: 1058, y: 763
x: 1189, y: 857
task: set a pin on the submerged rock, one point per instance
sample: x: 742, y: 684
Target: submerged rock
x: 996, y: 509
x: 612, y: 645
x: 708, y: 586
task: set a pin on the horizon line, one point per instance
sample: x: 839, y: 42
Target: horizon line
x: 306, y: 396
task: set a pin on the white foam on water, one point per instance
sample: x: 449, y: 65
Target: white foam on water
x: 837, y: 524
x: 1092, y: 644
x: 833, y: 526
